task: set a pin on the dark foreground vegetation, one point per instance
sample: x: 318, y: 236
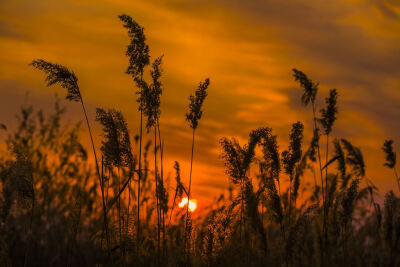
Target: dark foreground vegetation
x: 59, y: 209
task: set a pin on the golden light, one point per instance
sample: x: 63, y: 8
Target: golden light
x: 192, y: 204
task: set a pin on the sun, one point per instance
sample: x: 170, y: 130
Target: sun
x: 192, y: 204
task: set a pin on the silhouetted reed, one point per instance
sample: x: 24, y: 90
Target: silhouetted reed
x: 309, y: 95
x: 58, y: 74
x: 116, y: 149
x: 291, y: 157
x: 390, y: 157
x: 138, y: 53
x: 179, y: 188
x: 152, y: 112
x: 328, y: 117
x: 193, y: 116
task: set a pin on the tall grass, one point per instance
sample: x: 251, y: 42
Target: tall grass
x: 193, y: 116
x: 390, y: 157
x: 58, y: 74
x: 51, y: 214
x: 138, y: 54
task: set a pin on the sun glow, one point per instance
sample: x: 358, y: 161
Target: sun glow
x: 192, y: 204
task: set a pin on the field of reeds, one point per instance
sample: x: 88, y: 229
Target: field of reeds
x: 64, y: 204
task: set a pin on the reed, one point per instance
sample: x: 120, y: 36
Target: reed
x: 138, y: 53
x: 116, y: 149
x: 193, y: 116
x: 390, y: 157
x: 58, y: 74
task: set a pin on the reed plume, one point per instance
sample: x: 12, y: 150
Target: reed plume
x: 196, y: 103
x: 179, y: 188
x: 328, y: 117
x: 138, y: 53
x: 116, y: 146
x: 152, y: 101
x: 309, y: 95
x: 58, y: 74
x: 193, y: 116
x: 234, y: 157
x: 329, y: 113
x: 152, y: 97
x: 354, y: 158
x: 117, y: 153
x: 271, y: 154
x: 390, y: 157
x: 292, y: 156
x: 237, y: 161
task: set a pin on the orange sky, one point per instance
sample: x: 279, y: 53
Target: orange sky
x: 247, y: 48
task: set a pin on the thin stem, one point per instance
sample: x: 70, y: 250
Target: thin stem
x: 115, y: 198
x: 241, y: 210
x: 91, y: 139
x: 129, y: 204
x: 397, y: 177
x: 172, y: 208
x: 326, y: 194
x: 127, y: 216
x: 107, y: 190
x: 315, y: 183
x: 104, y: 201
x: 162, y: 172
x: 30, y: 225
x: 326, y: 169
x: 139, y: 178
x: 290, y: 197
x: 157, y: 193
x: 319, y: 153
x: 98, y: 173
x: 190, y: 183
x: 281, y: 204
x: 322, y: 179
x: 119, y: 211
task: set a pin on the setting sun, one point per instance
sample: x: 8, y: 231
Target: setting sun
x: 192, y: 203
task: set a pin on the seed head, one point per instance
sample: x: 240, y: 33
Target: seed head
x: 196, y: 103
x: 328, y: 114
x: 310, y: 88
x: 233, y: 157
x: 116, y: 147
x: 179, y: 186
x: 341, y: 161
x: 390, y: 155
x: 59, y: 74
x: 137, y: 50
x: 354, y: 158
x: 152, y: 95
x: 291, y: 156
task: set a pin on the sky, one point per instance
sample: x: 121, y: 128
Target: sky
x: 246, y: 48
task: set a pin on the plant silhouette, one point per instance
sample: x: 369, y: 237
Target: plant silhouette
x: 57, y: 208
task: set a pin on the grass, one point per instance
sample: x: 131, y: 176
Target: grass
x: 57, y: 210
